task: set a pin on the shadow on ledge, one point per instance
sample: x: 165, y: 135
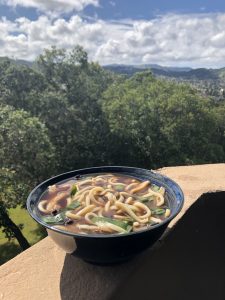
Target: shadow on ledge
x: 83, y: 281
x: 190, y: 264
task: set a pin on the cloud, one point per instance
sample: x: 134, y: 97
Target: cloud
x: 112, y: 3
x: 192, y: 39
x: 196, y: 40
x: 52, y: 6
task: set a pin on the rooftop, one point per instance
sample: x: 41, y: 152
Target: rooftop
x: 189, y: 260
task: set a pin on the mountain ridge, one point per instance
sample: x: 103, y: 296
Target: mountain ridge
x: 177, y: 73
x: 183, y: 73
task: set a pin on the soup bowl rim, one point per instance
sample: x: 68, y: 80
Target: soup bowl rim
x: 100, y: 169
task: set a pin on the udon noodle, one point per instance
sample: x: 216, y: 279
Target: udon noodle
x: 104, y: 204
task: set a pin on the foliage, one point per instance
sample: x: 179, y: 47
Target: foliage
x: 26, y: 157
x: 17, y: 83
x: 24, y: 145
x: 64, y: 113
x: 163, y: 122
x: 77, y: 87
x: 11, y: 193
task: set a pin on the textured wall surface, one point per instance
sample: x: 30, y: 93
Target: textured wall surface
x: 45, y: 272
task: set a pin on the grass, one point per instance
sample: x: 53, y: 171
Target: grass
x: 32, y: 231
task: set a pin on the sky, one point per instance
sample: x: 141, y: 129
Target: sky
x: 166, y: 32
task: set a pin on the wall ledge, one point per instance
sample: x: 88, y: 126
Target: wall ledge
x: 37, y: 273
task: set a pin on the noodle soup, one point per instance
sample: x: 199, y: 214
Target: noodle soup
x: 103, y: 204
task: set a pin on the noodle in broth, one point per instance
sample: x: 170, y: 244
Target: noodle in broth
x: 104, y: 204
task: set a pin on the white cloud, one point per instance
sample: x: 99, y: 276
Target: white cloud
x: 178, y: 40
x: 52, y: 6
x: 112, y: 3
x: 173, y: 39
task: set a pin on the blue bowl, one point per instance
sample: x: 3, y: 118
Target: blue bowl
x: 109, y: 248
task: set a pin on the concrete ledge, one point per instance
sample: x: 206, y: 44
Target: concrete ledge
x: 45, y: 272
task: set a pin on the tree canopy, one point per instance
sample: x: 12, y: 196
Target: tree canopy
x: 25, y: 146
x: 65, y: 112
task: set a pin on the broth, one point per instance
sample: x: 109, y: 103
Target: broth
x: 103, y: 204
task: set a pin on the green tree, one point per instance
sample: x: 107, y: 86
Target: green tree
x: 11, y: 194
x: 25, y: 145
x: 18, y: 84
x: 51, y: 65
x: 76, y: 85
x: 63, y: 91
x: 161, y: 123
x: 65, y: 128
x: 219, y: 113
x: 67, y: 113
x: 26, y: 158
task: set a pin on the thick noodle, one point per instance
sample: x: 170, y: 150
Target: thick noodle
x: 105, y: 203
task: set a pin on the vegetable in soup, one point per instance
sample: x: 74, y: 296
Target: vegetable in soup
x: 103, y: 204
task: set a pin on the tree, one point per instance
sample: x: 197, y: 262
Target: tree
x: 67, y: 113
x: 219, y: 112
x: 25, y: 145
x: 18, y: 84
x: 50, y: 64
x: 161, y: 123
x: 11, y: 193
x: 65, y: 128
x: 76, y: 85
x: 26, y: 158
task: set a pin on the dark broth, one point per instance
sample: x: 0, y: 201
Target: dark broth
x: 55, y: 210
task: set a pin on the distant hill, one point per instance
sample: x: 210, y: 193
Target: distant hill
x: 172, y: 72
x: 134, y: 68
x: 209, y: 82
x: 17, y: 61
x: 194, y: 76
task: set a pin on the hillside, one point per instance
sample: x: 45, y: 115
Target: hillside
x: 16, y: 61
x: 176, y: 72
x: 181, y: 73
x: 210, y: 82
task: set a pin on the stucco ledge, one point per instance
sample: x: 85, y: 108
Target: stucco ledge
x: 39, y: 272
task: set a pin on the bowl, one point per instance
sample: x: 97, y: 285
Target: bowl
x: 109, y: 248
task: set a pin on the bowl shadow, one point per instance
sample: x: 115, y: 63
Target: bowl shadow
x: 189, y: 263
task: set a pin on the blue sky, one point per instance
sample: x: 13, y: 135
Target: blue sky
x: 123, y: 9
x: 167, y: 32
x: 146, y: 9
